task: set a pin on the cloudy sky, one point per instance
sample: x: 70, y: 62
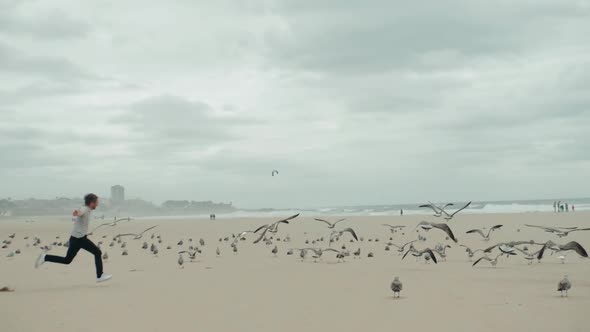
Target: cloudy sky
x: 354, y: 102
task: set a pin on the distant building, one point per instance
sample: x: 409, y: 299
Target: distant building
x: 117, y: 194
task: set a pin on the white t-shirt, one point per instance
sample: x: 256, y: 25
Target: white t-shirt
x: 81, y: 222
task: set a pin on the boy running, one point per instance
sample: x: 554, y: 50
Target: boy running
x: 79, y: 240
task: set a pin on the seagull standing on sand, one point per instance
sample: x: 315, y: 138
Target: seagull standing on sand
x: 564, y: 285
x: 396, y: 286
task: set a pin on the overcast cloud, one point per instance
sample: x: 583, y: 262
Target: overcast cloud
x: 354, y: 102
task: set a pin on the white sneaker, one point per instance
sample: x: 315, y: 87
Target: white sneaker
x: 40, y: 260
x: 104, y: 277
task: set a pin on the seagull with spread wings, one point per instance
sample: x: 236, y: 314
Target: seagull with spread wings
x: 438, y: 211
x: 273, y: 228
x: 573, y: 246
x: 338, y: 234
x: 559, y: 231
x: 493, y: 261
x: 111, y: 224
x: 426, y: 225
x: 135, y: 236
x: 420, y: 253
x: 393, y: 228
x: 486, y: 236
x: 330, y: 225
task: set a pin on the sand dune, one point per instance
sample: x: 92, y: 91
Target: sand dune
x: 255, y: 291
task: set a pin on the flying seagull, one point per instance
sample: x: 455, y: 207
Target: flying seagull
x: 136, y: 236
x: 402, y: 248
x: 111, y: 224
x: 573, y: 245
x: 425, y: 225
x: 274, y: 172
x: 393, y: 228
x: 330, y: 225
x: 559, y: 231
x: 338, y: 234
x: 470, y: 252
x: 493, y: 261
x: 273, y: 228
x: 486, y: 237
x: 438, y: 211
x: 419, y: 253
x: 240, y: 236
x: 508, y: 244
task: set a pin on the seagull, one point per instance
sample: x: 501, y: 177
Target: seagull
x: 275, y: 250
x: 111, y: 224
x: 136, y: 236
x: 337, y: 234
x: 441, y: 249
x: 396, y: 286
x: 303, y: 253
x: 180, y: 260
x: 330, y: 225
x: 573, y: 245
x: 470, y: 252
x: 564, y: 285
x: 438, y: 211
x: 273, y: 228
x: 494, y: 261
x: 508, y: 244
x: 419, y: 253
x: 339, y: 254
x: 240, y: 236
x: 274, y: 172
x: 528, y: 256
x: 393, y: 228
x: 486, y: 237
x: 559, y: 231
x: 403, y: 247
x: 192, y: 255
x: 425, y: 225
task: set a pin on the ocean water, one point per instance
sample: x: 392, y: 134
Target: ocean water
x: 529, y: 206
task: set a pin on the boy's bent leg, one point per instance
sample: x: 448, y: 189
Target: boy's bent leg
x: 72, y: 252
x: 89, y: 246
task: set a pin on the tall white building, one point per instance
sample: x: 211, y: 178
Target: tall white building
x: 117, y: 194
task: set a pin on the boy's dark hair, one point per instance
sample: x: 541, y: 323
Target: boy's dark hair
x: 90, y: 198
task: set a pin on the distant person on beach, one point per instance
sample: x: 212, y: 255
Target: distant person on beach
x: 573, y: 208
x: 79, y: 240
x: 401, y: 212
x: 567, y: 207
x: 554, y: 206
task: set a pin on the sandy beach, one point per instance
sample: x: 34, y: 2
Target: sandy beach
x: 255, y: 291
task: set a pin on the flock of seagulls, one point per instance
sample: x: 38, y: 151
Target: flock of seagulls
x: 341, y: 243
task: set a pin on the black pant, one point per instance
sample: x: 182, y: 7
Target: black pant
x: 75, y: 245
